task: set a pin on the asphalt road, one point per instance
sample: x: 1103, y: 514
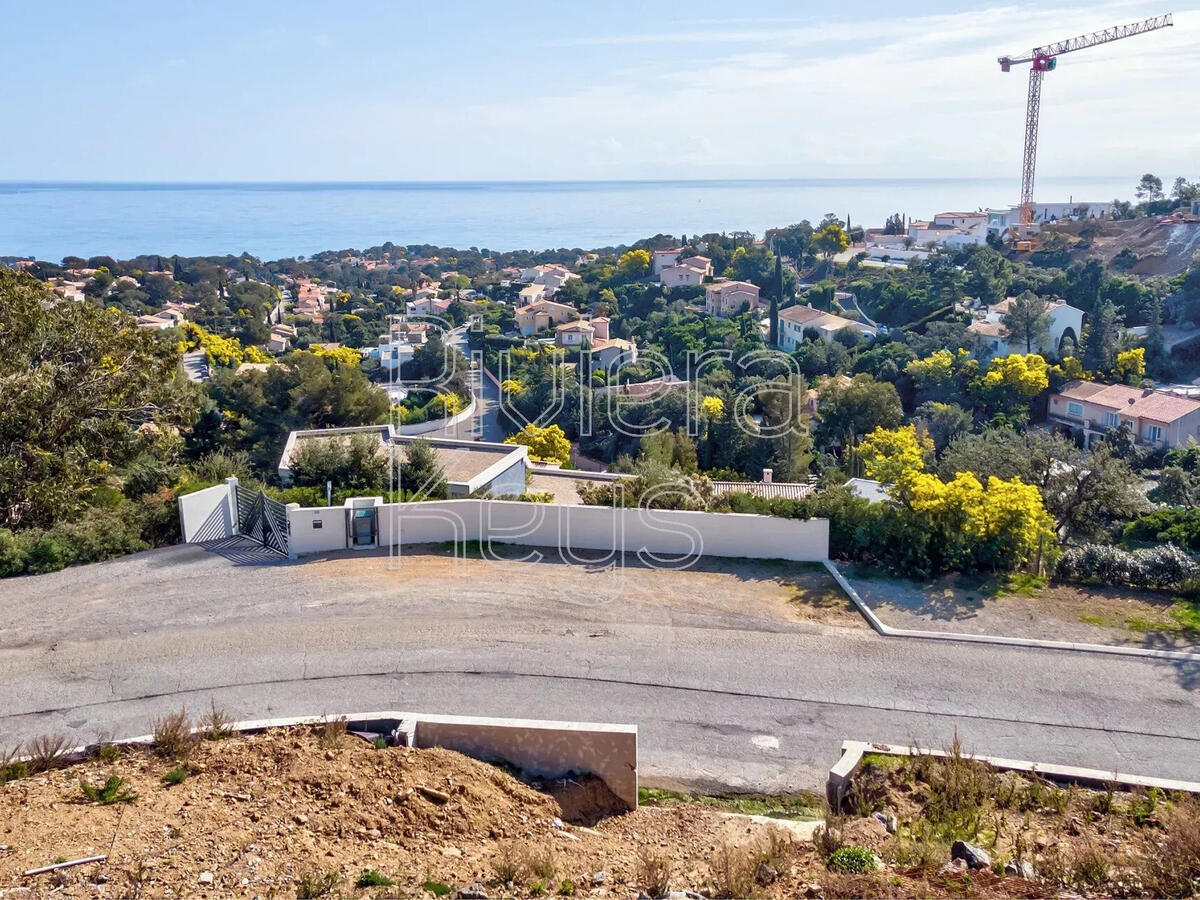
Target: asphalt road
x: 720, y: 699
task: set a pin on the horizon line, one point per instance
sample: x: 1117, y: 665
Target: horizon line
x: 530, y: 181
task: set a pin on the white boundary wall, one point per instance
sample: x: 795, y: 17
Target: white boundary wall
x: 658, y: 536
x: 210, y: 514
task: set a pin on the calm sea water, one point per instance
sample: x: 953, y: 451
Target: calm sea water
x: 49, y: 220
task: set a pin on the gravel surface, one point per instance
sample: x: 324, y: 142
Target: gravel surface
x: 727, y: 688
x: 1056, y: 613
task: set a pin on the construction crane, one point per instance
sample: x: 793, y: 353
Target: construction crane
x: 1045, y: 59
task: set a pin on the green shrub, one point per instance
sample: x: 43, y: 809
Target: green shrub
x: 317, y: 884
x: 177, y: 775
x: 48, y: 555
x: 373, y: 878
x: 114, y: 790
x: 13, y: 554
x: 855, y: 860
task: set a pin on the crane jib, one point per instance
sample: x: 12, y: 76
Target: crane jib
x: 1044, y: 59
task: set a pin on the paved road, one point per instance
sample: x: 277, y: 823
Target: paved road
x: 484, y: 424
x: 721, y: 699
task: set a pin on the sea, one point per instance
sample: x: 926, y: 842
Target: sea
x: 48, y: 220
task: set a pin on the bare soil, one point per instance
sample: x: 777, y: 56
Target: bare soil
x: 773, y: 589
x: 1063, y: 612
x: 292, y: 813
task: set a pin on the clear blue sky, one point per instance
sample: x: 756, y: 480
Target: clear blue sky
x: 287, y: 90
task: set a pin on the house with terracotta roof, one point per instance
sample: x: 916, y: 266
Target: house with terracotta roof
x: 725, y: 298
x: 542, y: 314
x: 794, y: 321
x: 607, y: 352
x: 691, y: 271
x: 1154, y: 418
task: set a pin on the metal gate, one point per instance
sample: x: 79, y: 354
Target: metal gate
x: 262, y: 519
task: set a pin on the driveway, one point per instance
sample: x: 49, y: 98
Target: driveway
x: 725, y: 692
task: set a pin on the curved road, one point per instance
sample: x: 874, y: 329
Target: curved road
x: 722, y: 698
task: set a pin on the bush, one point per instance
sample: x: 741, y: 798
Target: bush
x: 1177, y: 525
x: 1162, y: 567
x: 653, y: 873
x: 114, y: 790
x: 173, y: 735
x: 855, y: 860
x: 48, y: 555
x: 13, y: 554
x: 45, y: 752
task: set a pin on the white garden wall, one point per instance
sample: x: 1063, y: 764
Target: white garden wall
x: 210, y: 514
x: 663, y: 536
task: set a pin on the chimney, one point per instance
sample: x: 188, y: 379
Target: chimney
x: 600, y: 328
x: 768, y: 474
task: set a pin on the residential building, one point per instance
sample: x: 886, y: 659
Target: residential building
x: 1065, y: 322
x: 608, y: 353
x: 281, y: 338
x: 400, y: 343
x: 1000, y: 219
x: 470, y: 467
x: 542, y: 314
x: 428, y: 306
x: 532, y: 293
x: 795, y: 320
x: 767, y: 488
x: 691, y: 271
x: 1154, y: 418
x: 725, y: 298
x: 661, y: 259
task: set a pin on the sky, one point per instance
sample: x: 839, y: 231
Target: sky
x: 291, y: 90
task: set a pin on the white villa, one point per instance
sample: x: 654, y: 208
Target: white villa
x: 1000, y: 219
x: 795, y: 320
x: 1065, y: 321
x: 398, y: 345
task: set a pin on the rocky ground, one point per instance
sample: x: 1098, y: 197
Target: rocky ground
x: 313, y: 812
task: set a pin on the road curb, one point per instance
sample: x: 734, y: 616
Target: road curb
x: 996, y: 640
x: 853, y: 752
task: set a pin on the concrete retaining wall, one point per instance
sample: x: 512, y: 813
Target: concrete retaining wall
x: 437, y: 424
x: 210, y: 514
x: 663, y: 537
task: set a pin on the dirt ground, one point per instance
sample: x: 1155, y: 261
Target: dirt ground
x: 1062, y: 612
x: 310, y: 812
x: 774, y: 589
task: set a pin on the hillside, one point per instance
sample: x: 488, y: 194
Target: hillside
x: 1161, y: 249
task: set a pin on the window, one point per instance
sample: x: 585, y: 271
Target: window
x: 1074, y: 409
x: 1153, y: 434
x: 1112, y: 420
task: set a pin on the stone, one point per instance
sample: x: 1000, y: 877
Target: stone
x: 472, y: 892
x: 1020, y: 869
x: 556, y: 823
x: 814, y: 890
x: 974, y: 857
x: 599, y: 878
x: 954, y: 867
x: 205, y: 878
x: 300, y: 819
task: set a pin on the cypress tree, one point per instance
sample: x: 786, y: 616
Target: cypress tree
x: 776, y: 296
